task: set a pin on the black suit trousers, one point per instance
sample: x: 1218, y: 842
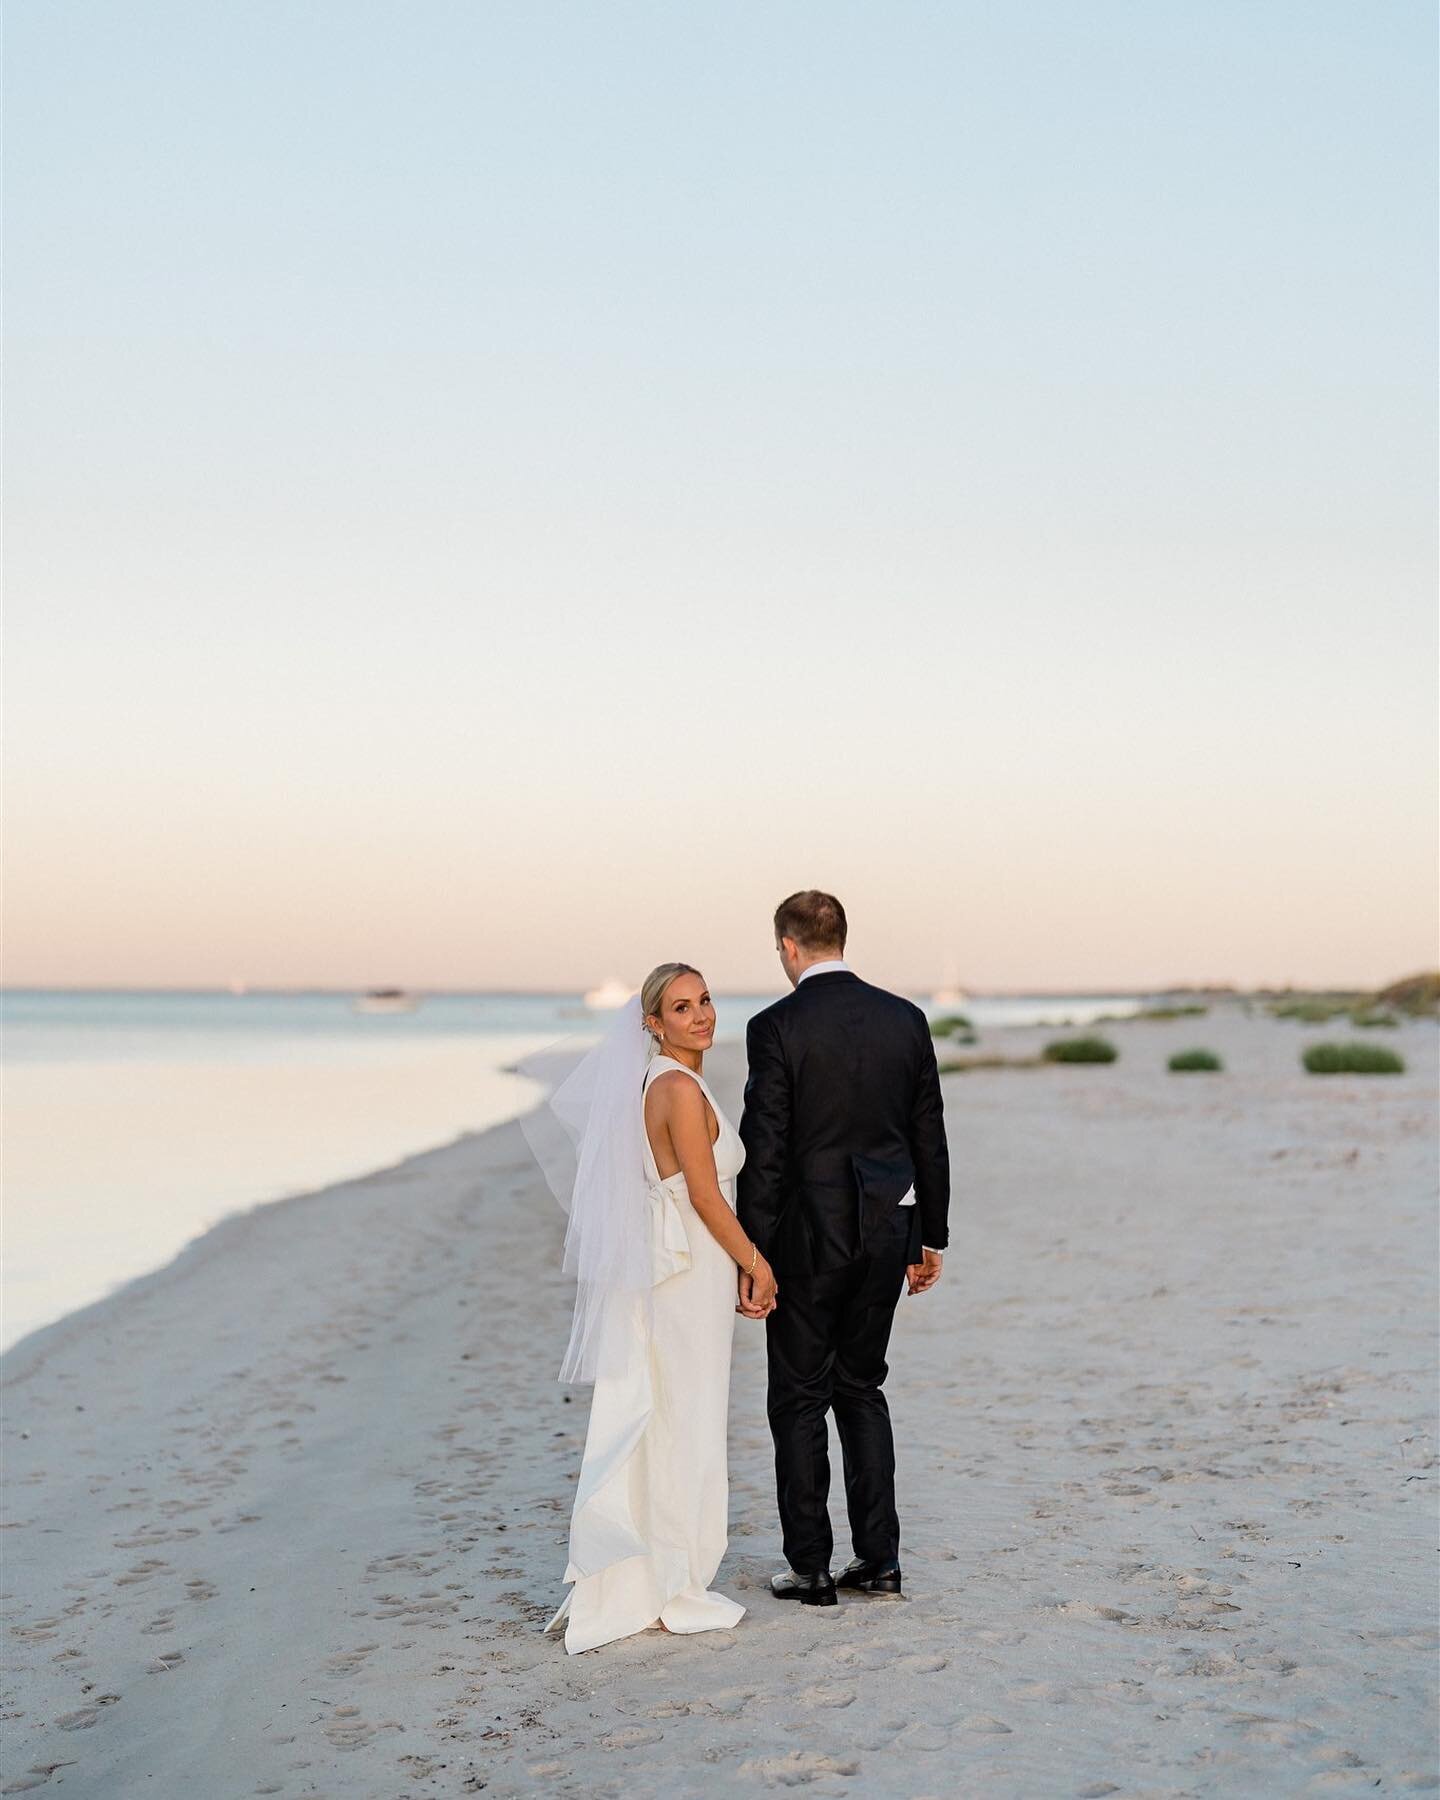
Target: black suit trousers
x: 826, y: 1343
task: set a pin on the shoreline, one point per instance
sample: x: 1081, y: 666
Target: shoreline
x: 289, y: 1511
x: 213, y: 1240
x: 113, y: 1167
x: 120, y: 1154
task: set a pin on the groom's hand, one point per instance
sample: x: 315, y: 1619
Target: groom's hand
x: 747, y: 1305
x: 922, y: 1276
x: 755, y: 1302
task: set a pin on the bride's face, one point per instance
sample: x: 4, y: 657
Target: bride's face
x: 687, y: 1014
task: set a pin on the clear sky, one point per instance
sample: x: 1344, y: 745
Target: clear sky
x: 499, y: 494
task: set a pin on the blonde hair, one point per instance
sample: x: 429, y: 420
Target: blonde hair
x: 652, y: 989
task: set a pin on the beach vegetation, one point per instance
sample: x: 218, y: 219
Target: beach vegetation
x: 1183, y: 1062
x: 1314, y: 1009
x: 1415, y: 997
x: 1352, y: 1059
x: 964, y: 1065
x: 1080, y: 1050
x: 1418, y: 995
x: 1189, y: 1011
x: 1370, y: 1018
x: 949, y: 1025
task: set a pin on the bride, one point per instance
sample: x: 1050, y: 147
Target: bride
x: 655, y: 1245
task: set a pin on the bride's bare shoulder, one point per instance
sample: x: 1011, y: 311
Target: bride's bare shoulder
x: 673, y: 1087
x: 679, y: 1105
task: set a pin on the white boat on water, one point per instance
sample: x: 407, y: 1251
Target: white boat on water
x: 949, y: 993
x: 385, y: 1000
x: 610, y: 996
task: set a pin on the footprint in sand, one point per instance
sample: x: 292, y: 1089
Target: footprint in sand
x: 141, y: 1571
x: 630, y: 1737
x: 347, y: 1662
x: 395, y: 1606
x: 164, y: 1663
x: 146, y: 1538
x: 730, y: 1701
x: 824, y: 1696
x: 40, y: 1631
x: 1261, y: 1729
x: 35, y: 1776
x: 1336, y: 1755
x: 347, y: 1730
x: 922, y: 1737
x: 235, y: 1523
x: 85, y: 1716
x: 1208, y: 1667
x: 798, y: 1769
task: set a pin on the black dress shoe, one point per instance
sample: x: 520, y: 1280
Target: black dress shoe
x: 870, y: 1577
x: 809, y: 1590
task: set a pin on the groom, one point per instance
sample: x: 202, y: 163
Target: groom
x: 845, y: 1188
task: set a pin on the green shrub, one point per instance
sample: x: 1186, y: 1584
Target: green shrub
x: 1313, y: 1009
x: 1081, y: 1050
x: 963, y: 1065
x: 1352, y: 1059
x: 1368, y: 1021
x: 1184, y: 1061
x: 949, y: 1024
x: 1173, y: 1012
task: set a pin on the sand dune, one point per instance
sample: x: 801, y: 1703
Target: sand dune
x: 286, y: 1517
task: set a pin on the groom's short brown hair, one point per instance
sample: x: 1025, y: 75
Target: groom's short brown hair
x: 815, y: 920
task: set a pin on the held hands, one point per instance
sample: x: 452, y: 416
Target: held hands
x: 921, y: 1277
x: 757, y: 1290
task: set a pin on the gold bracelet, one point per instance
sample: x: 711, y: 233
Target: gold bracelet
x: 754, y: 1258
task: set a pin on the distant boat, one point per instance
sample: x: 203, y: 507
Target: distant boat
x: 950, y: 992
x: 610, y: 996
x: 385, y: 1000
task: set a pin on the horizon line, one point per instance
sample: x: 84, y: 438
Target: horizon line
x: 1091, y: 991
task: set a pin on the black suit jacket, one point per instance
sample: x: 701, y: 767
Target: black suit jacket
x: 842, y: 1116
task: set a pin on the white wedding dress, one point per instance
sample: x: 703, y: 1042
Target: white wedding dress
x: 650, y: 1523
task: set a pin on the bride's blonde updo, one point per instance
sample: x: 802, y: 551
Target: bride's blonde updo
x: 652, y: 989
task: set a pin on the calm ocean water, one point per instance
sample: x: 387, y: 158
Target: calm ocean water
x: 134, y: 1121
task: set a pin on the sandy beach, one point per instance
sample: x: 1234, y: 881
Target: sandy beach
x: 286, y: 1516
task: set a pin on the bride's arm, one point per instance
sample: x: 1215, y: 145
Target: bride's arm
x: 682, y: 1108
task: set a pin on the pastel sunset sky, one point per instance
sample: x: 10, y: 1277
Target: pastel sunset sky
x: 498, y: 495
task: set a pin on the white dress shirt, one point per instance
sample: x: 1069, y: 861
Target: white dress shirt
x: 835, y: 966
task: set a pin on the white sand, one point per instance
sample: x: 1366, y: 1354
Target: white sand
x: 286, y: 1516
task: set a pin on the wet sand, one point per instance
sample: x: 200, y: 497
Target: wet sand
x: 286, y: 1517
